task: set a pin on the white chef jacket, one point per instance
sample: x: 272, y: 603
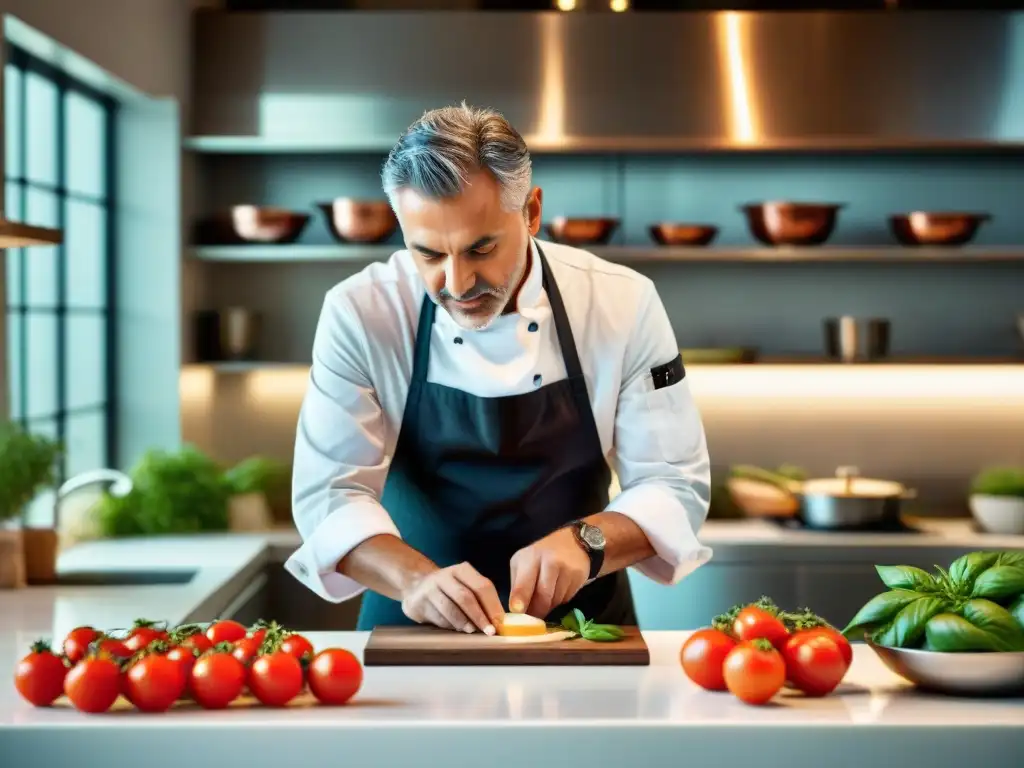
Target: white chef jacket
x: 362, y: 365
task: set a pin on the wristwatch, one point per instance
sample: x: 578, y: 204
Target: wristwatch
x: 591, y: 539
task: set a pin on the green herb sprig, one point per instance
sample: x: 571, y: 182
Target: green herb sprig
x: 588, y: 630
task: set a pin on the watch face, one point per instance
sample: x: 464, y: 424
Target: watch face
x: 592, y: 536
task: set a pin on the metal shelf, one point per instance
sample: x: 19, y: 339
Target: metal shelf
x: 640, y: 253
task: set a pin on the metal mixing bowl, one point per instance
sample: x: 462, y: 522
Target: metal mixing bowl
x: 672, y: 233
x: 788, y: 223
x: 596, y: 231
x: 959, y: 674
x: 359, y: 221
x: 924, y: 228
x: 248, y: 224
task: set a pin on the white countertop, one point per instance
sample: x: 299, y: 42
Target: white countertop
x: 477, y: 715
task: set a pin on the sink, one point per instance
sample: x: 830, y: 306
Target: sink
x: 123, y: 578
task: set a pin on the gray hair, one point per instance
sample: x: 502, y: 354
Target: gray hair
x: 439, y: 151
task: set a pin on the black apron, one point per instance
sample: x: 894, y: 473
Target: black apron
x: 475, y: 479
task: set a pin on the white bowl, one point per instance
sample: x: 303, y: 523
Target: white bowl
x: 998, y: 514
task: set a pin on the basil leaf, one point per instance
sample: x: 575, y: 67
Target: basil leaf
x: 1017, y: 610
x: 907, y: 628
x: 570, y: 623
x: 603, y: 633
x: 999, y: 581
x: 1011, y: 558
x: 581, y: 621
x: 879, y: 610
x: 984, y: 626
x: 965, y: 570
x: 907, y: 577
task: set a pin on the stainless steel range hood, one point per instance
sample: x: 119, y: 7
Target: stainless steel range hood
x: 619, y: 82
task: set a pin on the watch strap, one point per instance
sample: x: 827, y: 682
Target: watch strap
x: 596, y: 555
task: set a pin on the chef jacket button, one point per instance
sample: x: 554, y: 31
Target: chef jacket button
x: 458, y: 339
x: 302, y: 569
x: 537, y: 379
x: 532, y: 327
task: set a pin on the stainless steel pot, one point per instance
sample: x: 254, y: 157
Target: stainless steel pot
x: 849, y: 501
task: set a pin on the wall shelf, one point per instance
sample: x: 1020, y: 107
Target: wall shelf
x: 262, y: 145
x: 637, y: 254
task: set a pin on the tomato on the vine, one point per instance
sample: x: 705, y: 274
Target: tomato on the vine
x: 753, y: 623
x: 754, y: 671
x: 154, y: 682
x: 276, y: 678
x: 335, y: 676
x: 703, y: 655
x: 39, y: 677
x: 112, y: 646
x: 142, y: 634
x: 225, y: 631
x: 297, y: 646
x: 217, y: 679
x: 199, y: 642
x: 93, y: 684
x: 245, y: 650
x: 814, y: 662
x: 837, y: 637
x: 185, y: 657
x: 76, y: 644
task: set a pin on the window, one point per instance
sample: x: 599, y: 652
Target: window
x: 60, y: 313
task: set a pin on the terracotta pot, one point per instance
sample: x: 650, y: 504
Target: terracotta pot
x: 40, y: 546
x: 12, y: 556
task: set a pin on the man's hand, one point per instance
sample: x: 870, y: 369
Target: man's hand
x: 456, y: 597
x: 548, y: 573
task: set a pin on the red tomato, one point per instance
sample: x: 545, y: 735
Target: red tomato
x: 184, y: 657
x: 754, y: 671
x: 335, y: 676
x: 142, y: 634
x: 154, y: 683
x: 114, y: 647
x: 93, y: 684
x: 844, y: 645
x: 246, y: 649
x: 200, y: 642
x: 76, y: 644
x: 814, y: 662
x: 703, y: 655
x: 297, y: 646
x: 258, y: 634
x: 276, y: 678
x: 39, y: 676
x: 225, y: 631
x: 217, y: 680
x: 753, y: 623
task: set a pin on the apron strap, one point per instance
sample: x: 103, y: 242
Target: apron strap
x: 421, y: 353
x: 571, y: 358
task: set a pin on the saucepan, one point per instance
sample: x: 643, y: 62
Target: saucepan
x: 846, y: 501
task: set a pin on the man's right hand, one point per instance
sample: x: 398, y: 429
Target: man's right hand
x: 456, y: 597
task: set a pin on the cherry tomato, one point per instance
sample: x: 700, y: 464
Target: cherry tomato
x: 39, y: 677
x: 297, y: 646
x: 185, y: 657
x: 154, y: 683
x: 76, y: 644
x: 814, y: 662
x: 142, y: 634
x: 258, y: 634
x: 246, y: 649
x: 754, y: 671
x: 335, y: 676
x: 753, y: 623
x: 276, y: 678
x: 113, y: 646
x: 217, y: 680
x: 703, y: 655
x: 93, y: 684
x: 225, y: 631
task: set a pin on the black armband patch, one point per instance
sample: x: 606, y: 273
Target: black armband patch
x: 668, y: 374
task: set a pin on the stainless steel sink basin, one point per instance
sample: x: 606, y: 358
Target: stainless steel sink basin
x: 124, y: 578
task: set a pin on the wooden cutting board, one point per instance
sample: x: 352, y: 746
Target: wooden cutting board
x: 430, y: 646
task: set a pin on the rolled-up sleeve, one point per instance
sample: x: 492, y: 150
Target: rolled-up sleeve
x: 660, y: 451
x: 340, y: 459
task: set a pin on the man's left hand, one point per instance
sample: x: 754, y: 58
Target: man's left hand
x: 547, y: 574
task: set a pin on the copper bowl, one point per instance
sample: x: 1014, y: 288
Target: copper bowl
x: 597, y: 231
x: 783, y: 223
x: 359, y: 221
x: 924, y: 228
x: 254, y: 224
x: 671, y: 233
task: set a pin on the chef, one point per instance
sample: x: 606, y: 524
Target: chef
x: 467, y: 398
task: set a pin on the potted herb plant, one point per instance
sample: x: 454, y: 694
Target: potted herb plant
x: 254, y: 486
x: 27, y: 466
x: 997, y: 499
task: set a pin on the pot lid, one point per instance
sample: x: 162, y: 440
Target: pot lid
x: 848, y: 483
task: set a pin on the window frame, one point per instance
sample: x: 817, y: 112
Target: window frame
x: 64, y: 83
